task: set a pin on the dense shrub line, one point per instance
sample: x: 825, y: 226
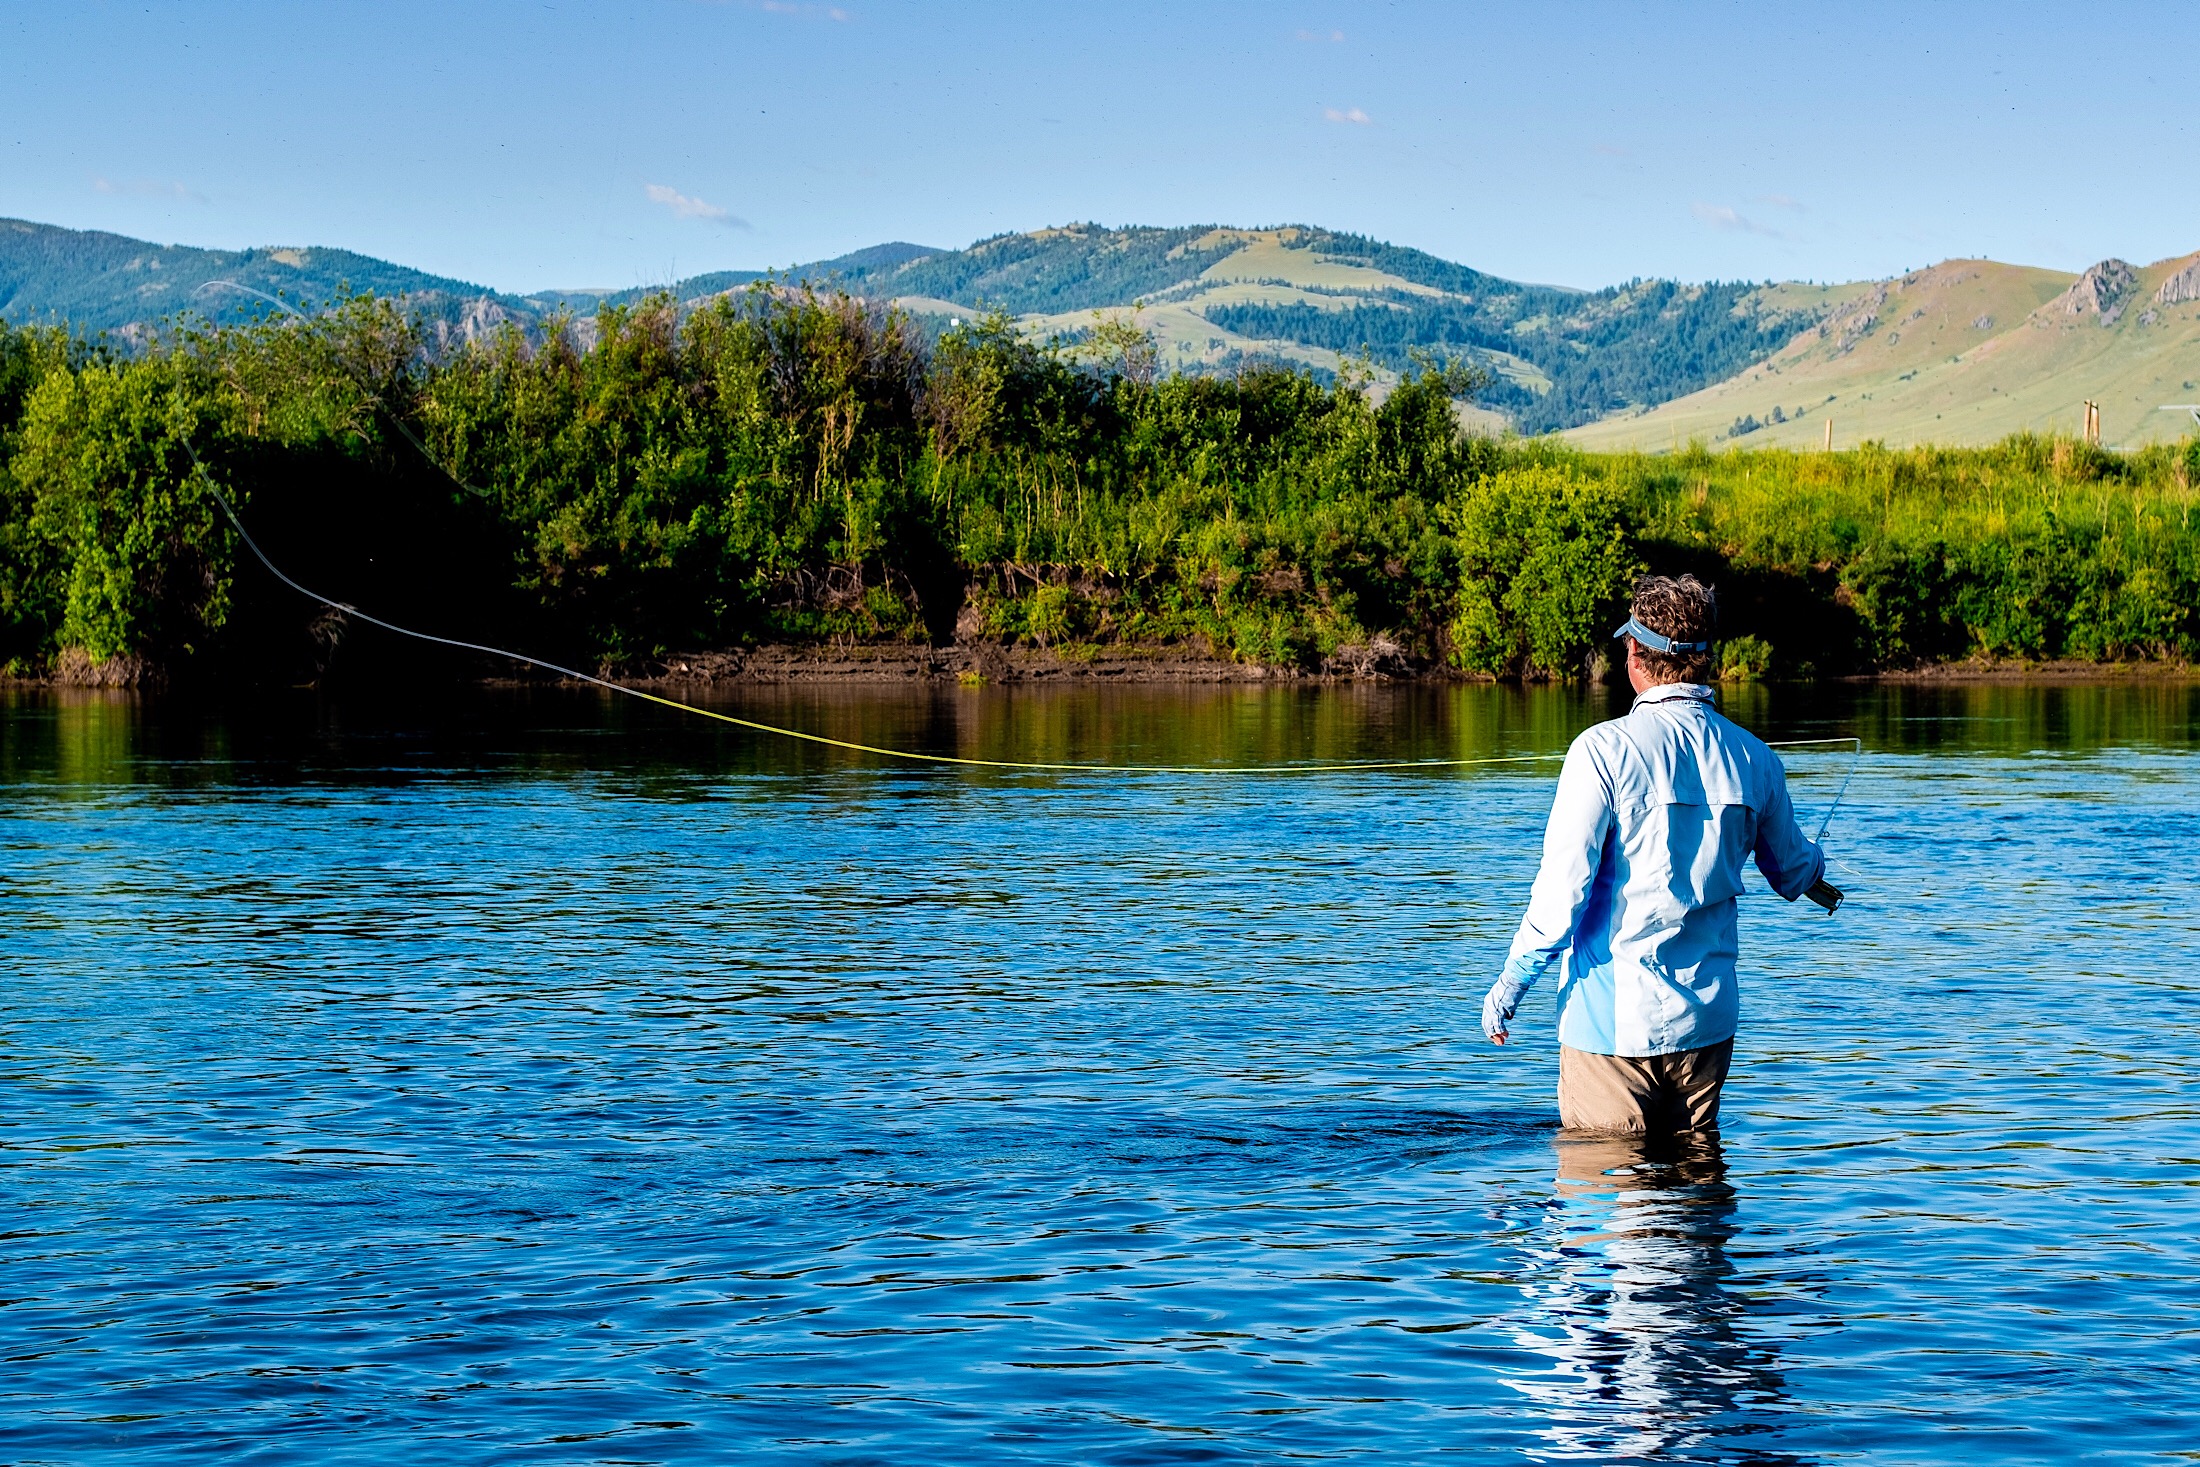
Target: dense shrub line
x: 784, y: 465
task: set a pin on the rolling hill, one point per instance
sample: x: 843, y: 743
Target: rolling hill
x: 1965, y: 352
x: 1968, y: 351
x: 1214, y: 299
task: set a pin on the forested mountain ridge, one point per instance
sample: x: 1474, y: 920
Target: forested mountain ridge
x: 1213, y: 298
x: 1964, y: 352
x: 92, y: 281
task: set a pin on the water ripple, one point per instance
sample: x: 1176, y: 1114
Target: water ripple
x: 509, y: 1091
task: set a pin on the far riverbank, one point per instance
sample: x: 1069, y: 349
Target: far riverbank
x: 856, y: 664
x: 802, y: 473
x: 891, y: 664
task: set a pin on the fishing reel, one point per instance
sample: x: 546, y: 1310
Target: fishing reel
x: 1825, y: 894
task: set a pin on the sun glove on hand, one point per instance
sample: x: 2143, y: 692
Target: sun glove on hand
x: 1501, y: 1004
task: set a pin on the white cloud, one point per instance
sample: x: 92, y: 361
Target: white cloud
x: 147, y: 188
x: 1782, y: 201
x: 692, y: 208
x: 1352, y: 115
x: 1725, y: 216
x: 1332, y: 37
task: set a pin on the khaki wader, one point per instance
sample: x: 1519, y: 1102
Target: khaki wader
x: 1654, y: 1095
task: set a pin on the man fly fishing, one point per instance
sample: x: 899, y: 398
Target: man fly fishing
x: 1642, y: 861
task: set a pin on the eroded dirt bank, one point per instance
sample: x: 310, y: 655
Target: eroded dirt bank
x: 891, y: 663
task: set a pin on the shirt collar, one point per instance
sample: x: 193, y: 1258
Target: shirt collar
x: 1671, y: 692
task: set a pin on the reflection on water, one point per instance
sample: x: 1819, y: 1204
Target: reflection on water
x: 94, y: 736
x: 1631, y: 1297
x: 536, y: 1077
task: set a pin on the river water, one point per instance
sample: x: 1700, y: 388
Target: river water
x: 526, y: 1077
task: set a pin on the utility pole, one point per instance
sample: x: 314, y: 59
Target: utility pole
x: 1829, y: 435
x: 2093, y: 423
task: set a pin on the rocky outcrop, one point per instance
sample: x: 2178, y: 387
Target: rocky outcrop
x: 464, y: 322
x: 2102, y: 291
x: 1854, y: 321
x: 2181, y: 287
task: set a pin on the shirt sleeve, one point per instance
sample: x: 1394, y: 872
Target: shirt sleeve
x: 1573, y: 849
x: 1786, y: 857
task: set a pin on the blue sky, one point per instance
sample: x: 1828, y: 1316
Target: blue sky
x: 525, y: 145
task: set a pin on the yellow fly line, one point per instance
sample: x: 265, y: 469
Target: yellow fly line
x: 1039, y: 766
x: 811, y: 738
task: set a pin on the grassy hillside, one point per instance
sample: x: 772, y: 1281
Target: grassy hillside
x: 1968, y: 351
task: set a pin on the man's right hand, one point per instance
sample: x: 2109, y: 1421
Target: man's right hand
x: 1499, y: 1006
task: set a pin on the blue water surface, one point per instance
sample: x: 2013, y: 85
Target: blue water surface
x: 522, y: 1078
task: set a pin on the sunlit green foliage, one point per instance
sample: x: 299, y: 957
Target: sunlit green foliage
x: 2033, y: 548
x: 113, y: 542
x: 1542, y: 551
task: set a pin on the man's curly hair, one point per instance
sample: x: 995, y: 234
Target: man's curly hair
x: 1683, y: 609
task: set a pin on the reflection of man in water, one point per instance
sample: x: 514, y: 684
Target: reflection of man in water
x: 1629, y: 1285
x: 1642, y: 861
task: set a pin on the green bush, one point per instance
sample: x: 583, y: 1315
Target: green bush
x: 1051, y: 615
x: 1745, y: 658
x: 1905, y: 595
x: 890, y: 613
x: 1544, y: 558
x: 116, y: 549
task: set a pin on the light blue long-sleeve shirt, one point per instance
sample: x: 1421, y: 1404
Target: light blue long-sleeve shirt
x: 1642, y: 862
